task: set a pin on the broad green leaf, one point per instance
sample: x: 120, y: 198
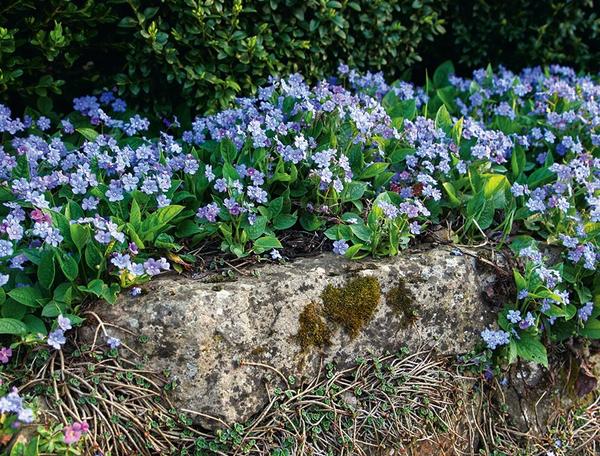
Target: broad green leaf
x: 68, y: 266
x: 530, y: 348
x: 88, y: 133
x: 373, y: 170
x: 28, y: 296
x: 266, y: 243
x: 46, y: 269
x: 12, y: 326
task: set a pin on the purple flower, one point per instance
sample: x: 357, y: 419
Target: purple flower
x: 233, y: 206
x: 389, y: 210
x: 4, y: 279
x: 119, y: 105
x: 153, y: 267
x: 64, y: 323
x: 67, y: 126
x: 522, y: 294
x: 340, y: 247
x: 133, y: 248
x: 5, y: 354
x: 56, y: 339
x: 275, y: 255
x: 43, y: 123
x: 257, y: 194
x: 415, y: 228
x: 208, y: 173
x: 528, y: 321
x: 209, y: 212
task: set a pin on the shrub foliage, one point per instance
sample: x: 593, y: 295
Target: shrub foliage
x: 203, y: 53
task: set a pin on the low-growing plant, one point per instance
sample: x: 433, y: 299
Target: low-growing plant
x: 104, y: 199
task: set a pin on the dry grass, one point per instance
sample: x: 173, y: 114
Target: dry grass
x: 401, y: 404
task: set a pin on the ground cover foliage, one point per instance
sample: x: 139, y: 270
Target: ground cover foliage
x: 103, y: 199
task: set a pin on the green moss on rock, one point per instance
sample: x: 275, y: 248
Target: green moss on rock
x: 353, y: 305
x: 401, y: 300
x: 313, y: 331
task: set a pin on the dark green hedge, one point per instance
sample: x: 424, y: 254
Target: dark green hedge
x: 519, y: 33
x: 202, y: 53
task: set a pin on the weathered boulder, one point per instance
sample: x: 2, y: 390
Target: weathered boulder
x: 217, y: 337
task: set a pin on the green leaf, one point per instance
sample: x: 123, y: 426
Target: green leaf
x: 361, y: 231
x: 442, y: 73
x: 68, y: 265
x: 46, y: 269
x: 591, y: 329
x: 495, y: 183
x: 35, y: 325
x: 266, y: 243
x: 258, y: 228
x: 88, y: 133
x: 451, y: 191
x: 373, y: 170
x: 530, y: 348
x: 443, y: 120
x: 353, y: 250
x: 53, y: 309
x: 353, y: 191
x: 518, y: 161
x: 94, y: 258
x: 135, y: 216
x: 284, y: 221
x: 28, y: 296
x: 12, y: 326
x: 275, y: 206
x: 80, y: 235
x: 310, y: 222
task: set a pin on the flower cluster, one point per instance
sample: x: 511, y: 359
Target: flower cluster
x: 13, y: 403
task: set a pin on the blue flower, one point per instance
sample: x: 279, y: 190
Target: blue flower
x: 514, y: 316
x: 494, y: 339
x: 585, y: 312
x: 113, y: 342
x: 56, y: 339
x: 340, y: 247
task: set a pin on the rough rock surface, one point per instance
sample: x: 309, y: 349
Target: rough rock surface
x: 203, y: 331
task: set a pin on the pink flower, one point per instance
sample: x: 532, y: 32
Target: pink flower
x: 38, y: 216
x: 74, y: 432
x: 5, y: 354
